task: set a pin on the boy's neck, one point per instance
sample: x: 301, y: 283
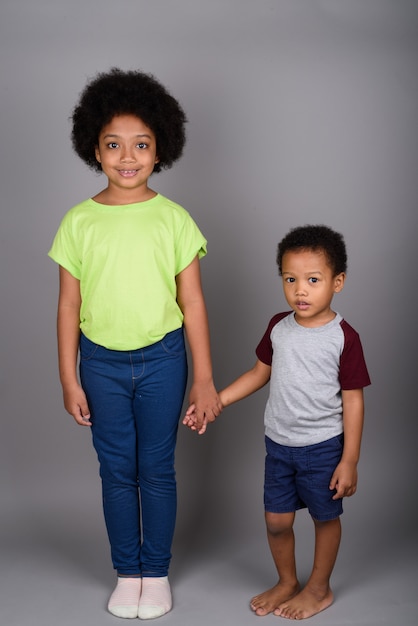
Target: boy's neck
x: 315, y: 322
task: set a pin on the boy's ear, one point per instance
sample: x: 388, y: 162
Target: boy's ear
x: 339, y: 282
x: 97, y: 154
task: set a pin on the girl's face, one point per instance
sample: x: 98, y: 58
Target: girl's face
x: 309, y: 286
x: 127, y: 152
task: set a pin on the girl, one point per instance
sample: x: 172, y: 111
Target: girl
x: 129, y: 280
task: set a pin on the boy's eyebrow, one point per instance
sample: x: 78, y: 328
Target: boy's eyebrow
x: 309, y: 272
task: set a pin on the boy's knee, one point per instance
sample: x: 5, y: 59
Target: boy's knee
x: 278, y: 523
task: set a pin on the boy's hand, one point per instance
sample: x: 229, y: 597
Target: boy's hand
x: 344, y: 480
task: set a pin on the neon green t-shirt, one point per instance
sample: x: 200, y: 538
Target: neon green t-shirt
x: 127, y: 258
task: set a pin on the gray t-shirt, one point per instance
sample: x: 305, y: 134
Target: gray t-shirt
x: 310, y: 367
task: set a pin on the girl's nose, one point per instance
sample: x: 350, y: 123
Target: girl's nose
x: 127, y: 155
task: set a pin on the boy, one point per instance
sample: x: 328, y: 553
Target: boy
x: 313, y: 418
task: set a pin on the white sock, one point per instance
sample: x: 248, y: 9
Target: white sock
x: 155, y: 598
x: 125, y: 598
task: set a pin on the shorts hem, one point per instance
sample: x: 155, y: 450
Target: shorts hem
x: 326, y: 518
x: 287, y: 510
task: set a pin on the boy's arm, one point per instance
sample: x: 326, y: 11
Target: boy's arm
x: 246, y: 384
x: 344, y: 479
x: 243, y: 386
x: 191, y: 301
x: 68, y: 328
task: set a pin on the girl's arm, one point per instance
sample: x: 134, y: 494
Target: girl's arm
x: 344, y: 479
x: 245, y: 385
x: 68, y: 327
x: 191, y: 301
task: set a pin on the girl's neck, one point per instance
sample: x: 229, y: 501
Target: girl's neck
x: 112, y: 197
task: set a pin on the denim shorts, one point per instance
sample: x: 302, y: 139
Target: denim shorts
x: 297, y: 478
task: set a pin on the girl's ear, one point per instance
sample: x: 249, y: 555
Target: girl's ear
x: 97, y: 154
x: 339, y: 282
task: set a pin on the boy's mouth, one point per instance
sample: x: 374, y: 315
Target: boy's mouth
x: 302, y: 305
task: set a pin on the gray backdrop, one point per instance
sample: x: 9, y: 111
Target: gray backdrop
x: 300, y: 111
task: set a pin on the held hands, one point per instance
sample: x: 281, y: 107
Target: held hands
x: 190, y: 420
x: 205, y: 406
x: 75, y: 404
x: 344, y: 480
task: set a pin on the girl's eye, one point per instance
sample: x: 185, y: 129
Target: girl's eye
x: 141, y: 146
x: 112, y: 145
x: 313, y: 279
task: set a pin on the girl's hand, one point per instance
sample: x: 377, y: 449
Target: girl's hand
x: 189, y: 419
x: 75, y: 404
x: 206, y: 407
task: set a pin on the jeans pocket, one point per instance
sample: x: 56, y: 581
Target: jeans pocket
x: 173, y: 343
x: 339, y: 442
x: 87, y: 348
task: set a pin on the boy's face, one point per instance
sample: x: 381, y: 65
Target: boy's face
x: 127, y: 152
x: 309, y: 286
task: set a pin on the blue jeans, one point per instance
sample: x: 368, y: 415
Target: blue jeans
x: 135, y: 400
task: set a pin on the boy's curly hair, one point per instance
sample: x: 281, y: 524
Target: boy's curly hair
x: 120, y: 92
x: 317, y: 238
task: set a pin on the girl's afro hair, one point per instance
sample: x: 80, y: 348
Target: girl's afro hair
x: 128, y: 93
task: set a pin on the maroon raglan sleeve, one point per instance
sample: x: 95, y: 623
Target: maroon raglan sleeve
x: 264, y: 350
x: 353, y: 368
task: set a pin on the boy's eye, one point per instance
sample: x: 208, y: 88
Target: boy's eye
x: 313, y: 279
x: 289, y: 279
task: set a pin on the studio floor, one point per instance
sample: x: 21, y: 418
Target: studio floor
x: 55, y: 571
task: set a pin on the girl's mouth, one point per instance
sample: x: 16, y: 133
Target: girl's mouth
x: 127, y: 173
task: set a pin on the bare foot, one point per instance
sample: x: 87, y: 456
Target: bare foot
x: 305, y: 604
x: 271, y: 599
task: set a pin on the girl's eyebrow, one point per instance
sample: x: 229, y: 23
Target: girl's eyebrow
x: 108, y: 135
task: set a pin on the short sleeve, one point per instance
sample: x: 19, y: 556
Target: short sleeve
x: 264, y: 350
x: 191, y: 243
x: 353, y: 369
x: 64, y: 249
